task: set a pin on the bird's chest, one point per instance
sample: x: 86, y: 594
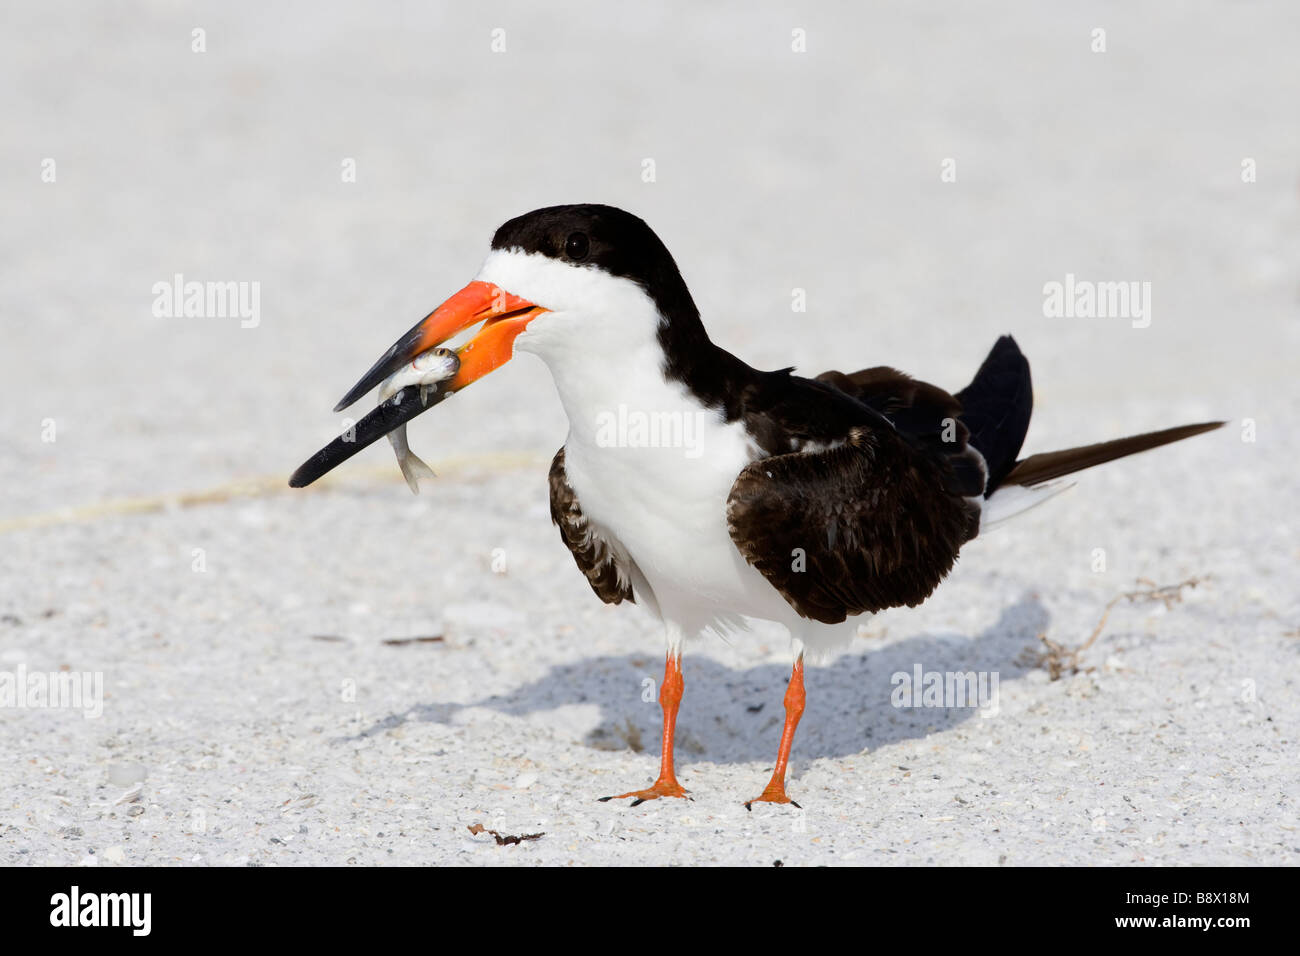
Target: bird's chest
x: 655, y: 477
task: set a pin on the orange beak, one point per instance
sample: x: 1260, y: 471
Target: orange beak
x: 503, y: 316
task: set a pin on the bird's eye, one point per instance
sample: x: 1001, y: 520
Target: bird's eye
x: 576, y: 246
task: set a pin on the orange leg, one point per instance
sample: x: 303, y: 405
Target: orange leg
x: 670, y: 698
x: 794, y: 702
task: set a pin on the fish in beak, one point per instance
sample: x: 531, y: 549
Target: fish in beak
x: 503, y: 315
x: 427, y: 372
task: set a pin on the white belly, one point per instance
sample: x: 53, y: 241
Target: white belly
x: 666, y: 506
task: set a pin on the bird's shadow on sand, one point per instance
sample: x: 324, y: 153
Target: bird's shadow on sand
x: 735, y: 716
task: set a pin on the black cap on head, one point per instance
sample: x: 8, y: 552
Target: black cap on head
x: 606, y: 238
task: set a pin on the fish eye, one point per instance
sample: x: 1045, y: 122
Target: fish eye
x: 577, y: 246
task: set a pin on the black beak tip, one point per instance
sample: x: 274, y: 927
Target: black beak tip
x: 386, y: 416
x: 369, y: 381
x: 401, y: 352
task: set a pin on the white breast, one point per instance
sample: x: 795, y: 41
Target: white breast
x: 666, y: 505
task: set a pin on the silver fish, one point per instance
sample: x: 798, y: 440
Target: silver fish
x: 426, y: 371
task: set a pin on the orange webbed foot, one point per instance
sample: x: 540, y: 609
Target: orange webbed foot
x: 773, y: 793
x: 660, y: 788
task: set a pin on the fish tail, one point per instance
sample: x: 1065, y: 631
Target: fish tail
x: 413, y: 469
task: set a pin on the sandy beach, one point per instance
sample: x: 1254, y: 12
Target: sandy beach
x: 348, y: 674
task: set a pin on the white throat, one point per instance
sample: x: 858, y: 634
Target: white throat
x: 600, y: 337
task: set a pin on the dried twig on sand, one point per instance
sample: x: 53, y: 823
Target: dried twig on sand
x: 478, y: 828
x: 1059, y: 659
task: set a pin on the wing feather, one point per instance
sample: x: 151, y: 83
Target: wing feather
x: 606, y: 568
x: 863, y: 526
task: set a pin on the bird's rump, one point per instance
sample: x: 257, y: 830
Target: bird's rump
x: 925, y: 416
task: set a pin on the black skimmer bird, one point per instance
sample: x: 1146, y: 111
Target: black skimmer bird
x: 711, y: 492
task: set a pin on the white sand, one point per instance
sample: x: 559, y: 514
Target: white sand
x: 226, y: 737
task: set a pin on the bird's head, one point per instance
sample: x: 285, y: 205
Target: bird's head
x: 573, y: 284
x: 586, y: 280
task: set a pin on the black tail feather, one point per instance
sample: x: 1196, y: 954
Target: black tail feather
x: 996, y: 406
x: 1053, y: 464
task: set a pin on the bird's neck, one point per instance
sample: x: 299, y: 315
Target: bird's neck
x: 676, y: 373
x: 715, y: 377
